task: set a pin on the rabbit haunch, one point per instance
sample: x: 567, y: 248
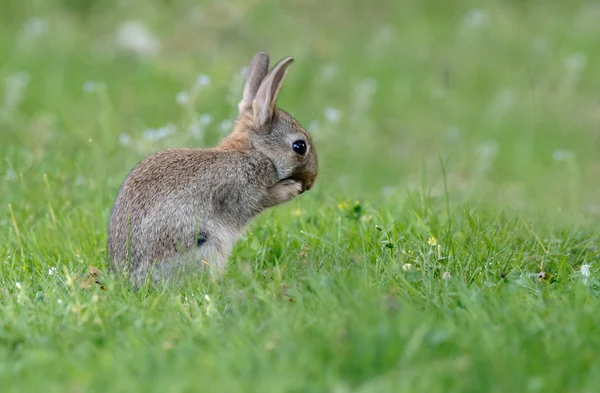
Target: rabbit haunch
x: 182, y: 209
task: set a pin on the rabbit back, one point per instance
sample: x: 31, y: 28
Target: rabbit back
x: 185, y: 207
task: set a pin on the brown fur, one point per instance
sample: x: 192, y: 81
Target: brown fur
x: 182, y: 209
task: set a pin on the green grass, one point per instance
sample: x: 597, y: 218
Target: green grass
x: 466, y: 132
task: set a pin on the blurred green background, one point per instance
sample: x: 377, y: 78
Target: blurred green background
x: 502, y: 94
x: 461, y: 120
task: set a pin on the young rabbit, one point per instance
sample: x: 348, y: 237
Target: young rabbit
x: 182, y: 209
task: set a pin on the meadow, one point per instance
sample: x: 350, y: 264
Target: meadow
x: 450, y: 244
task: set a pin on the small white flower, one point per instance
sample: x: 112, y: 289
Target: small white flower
x: 368, y: 86
x: 80, y: 180
x: 209, y: 309
x: 438, y: 92
x: 124, y: 139
x: 194, y: 129
x: 343, y: 180
x: 203, y: 80
x: 51, y: 270
x: 182, y: 98
x: 387, y: 191
x: 152, y: 134
x: 313, y: 126
x: 505, y: 98
x: 363, y: 94
x: 562, y: 155
x: 35, y: 27
x: 332, y: 115
x: 14, y: 89
x: 487, y: 150
x: 135, y: 37
x: 18, y: 285
x: 329, y: 71
x: 593, y: 209
x: 10, y: 174
x: 452, y: 133
x: 225, y: 126
x: 385, y: 34
x: 89, y: 86
x: 585, y: 270
x: 477, y: 18
x: 575, y: 63
x: 558, y: 155
x: 205, y: 119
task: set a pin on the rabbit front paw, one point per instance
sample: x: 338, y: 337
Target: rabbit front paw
x: 282, y: 191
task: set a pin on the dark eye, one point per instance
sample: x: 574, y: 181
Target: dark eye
x: 299, y: 147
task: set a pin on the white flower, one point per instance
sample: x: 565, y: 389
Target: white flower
x: 18, y: 285
x: 575, y: 62
x: 35, y: 27
x: 387, y: 191
x: 477, y: 17
x: 313, y: 126
x: 363, y: 94
x: 332, y: 115
x: 51, y: 270
x: 225, y: 126
x: 182, y: 98
x: 574, y: 65
x: 10, y: 174
x: 135, y: 37
x: 487, y: 150
x: 385, y: 34
x: 562, y: 155
x: 195, y: 130
x: 203, y: 80
x: 14, y: 89
x: 89, y: 86
x: 79, y: 181
x: 452, y: 133
x: 329, y: 71
x: 504, y: 99
x: 209, y: 309
x: 585, y: 270
x: 152, y: 134
x: 124, y: 139
x: 205, y: 119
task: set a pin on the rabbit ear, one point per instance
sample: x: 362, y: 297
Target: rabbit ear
x: 256, y: 72
x: 264, y: 101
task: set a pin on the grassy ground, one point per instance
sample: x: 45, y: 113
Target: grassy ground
x: 450, y: 244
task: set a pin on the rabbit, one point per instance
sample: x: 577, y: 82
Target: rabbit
x: 183, y: 209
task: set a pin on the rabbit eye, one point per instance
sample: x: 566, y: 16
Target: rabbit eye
x: 299, y: 147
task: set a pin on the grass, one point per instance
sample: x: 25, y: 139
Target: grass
x: 449, y: 245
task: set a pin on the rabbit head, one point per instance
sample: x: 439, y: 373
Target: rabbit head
x: 271, y: 131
